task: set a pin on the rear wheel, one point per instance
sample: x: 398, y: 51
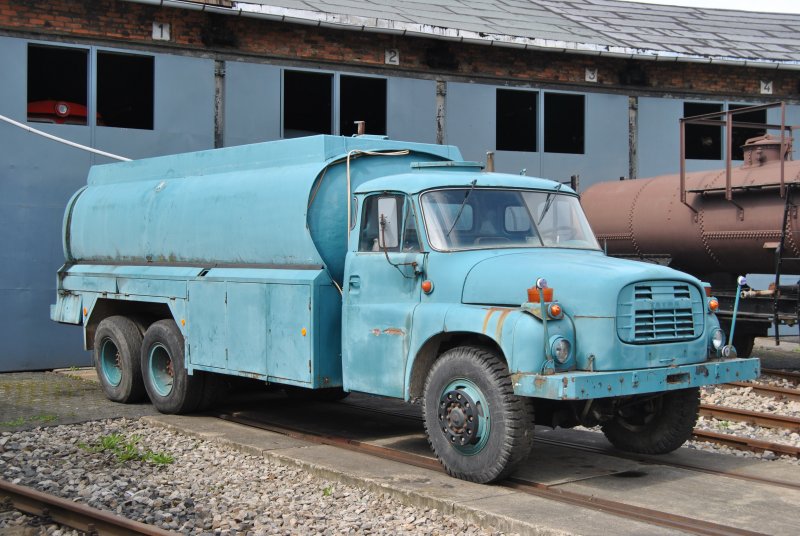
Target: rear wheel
x: 654, y: 424
x: 478, y: 428
x: 117, y: 344
x: 170, y: 387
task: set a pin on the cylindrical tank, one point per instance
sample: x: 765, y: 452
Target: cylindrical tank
x: 646, y: 218
x: 280, y: 203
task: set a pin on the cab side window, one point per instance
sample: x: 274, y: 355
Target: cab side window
x: 369, y: 233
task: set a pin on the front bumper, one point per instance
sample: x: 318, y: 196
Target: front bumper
x: 586, y: 385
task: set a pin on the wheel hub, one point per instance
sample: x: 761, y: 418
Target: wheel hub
x: 458, y: 417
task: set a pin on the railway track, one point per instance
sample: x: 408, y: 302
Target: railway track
x: 647, y: 515
x: 781, y: 393
x: 74, y: 515
x: 767, y: 420
x: 793, y: 377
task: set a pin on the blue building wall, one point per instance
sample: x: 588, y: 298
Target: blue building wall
x: 37, y: 176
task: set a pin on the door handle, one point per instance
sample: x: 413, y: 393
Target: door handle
x: 354, y: 282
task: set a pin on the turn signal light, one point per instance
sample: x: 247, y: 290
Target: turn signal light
x: 713, y: 305
x: 533, y: 294
x: 427, y: 286
x: 554, y: 310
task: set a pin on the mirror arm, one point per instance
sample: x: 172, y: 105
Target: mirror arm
x: 397, y: 265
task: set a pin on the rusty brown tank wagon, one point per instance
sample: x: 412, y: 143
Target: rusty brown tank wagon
x: 716, y: 225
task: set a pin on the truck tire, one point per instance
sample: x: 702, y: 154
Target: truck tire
x: 170, y: 387
x: 477, y: 427
x: 744, y: 344
x: 117, y: 345
x: 215, y: 387
x: 656, y: 424
x: 327, y: 394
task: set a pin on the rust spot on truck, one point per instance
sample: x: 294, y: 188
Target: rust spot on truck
x: 388, y: 331
x: 491, y: 311
x: 498, y: 332
x: 393, y: 331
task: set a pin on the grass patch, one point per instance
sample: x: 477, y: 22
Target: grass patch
x: 20, y: 421
x: 125, y: 450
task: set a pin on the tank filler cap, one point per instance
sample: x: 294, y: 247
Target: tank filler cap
x: 763, y: 149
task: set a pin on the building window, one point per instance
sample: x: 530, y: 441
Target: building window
x: 516, y: 120
x: 703, y: 142
x: 125, y: 90
x: 741, y: 135
x: 57, y: 85
x: 564, y: 123
x: 307, y: 108
x: 362, y: 99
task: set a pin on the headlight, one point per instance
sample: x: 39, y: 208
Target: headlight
x: 717, y: 339
x: 560, y: 349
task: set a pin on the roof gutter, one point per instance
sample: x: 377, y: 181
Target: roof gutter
x: 386, y: 26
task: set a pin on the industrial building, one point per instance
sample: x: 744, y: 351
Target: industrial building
x: 587, y: 88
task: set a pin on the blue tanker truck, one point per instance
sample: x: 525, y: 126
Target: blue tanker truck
x: 329, y: 265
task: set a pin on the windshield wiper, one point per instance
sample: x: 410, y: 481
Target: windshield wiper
x: 461, y: 208
x: 548, y: 202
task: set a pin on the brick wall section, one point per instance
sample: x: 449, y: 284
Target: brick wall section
x: 112, y: 20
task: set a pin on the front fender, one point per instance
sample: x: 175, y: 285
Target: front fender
x: 517, y: 333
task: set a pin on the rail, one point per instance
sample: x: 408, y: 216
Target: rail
x: 77, y: 516
x: 766, y: 420
x: 647, y: 515
x: 766, y: 390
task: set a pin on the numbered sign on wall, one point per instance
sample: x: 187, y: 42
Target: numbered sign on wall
x: 392, y: 56
x: 161, y: 31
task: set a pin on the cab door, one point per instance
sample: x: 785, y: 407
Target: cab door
x: 381, y: 291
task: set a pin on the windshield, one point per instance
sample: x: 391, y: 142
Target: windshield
x: 474, y: 218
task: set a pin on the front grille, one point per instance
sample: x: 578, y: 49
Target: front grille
x: 659, y: 311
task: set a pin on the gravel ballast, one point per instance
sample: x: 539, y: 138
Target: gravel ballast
x: 208, y: 489
x: 745, y: 398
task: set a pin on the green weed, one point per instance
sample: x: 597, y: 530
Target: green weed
x: 126, y: 450
x: 19, y: 421
x: 327, y: 491
x: 16, y: 422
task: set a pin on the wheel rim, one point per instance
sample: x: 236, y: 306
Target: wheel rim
x: 637, y: 417
x: 110, y: 362
x: 463, y: 414
x: 161, y: 369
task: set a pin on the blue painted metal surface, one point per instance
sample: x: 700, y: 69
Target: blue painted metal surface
x: 582, y: 385
x: 296, y: 185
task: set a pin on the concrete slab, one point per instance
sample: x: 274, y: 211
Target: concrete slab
x: 493, y: 507
x: 752, y: 506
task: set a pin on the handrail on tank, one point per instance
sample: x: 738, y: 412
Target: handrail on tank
x: 713, y: 119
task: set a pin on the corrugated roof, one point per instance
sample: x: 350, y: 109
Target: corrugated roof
x: 599, y: 27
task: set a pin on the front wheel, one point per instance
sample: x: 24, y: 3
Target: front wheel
x: 170, y: 387
x: 654, y: 424
x: 477, y: 427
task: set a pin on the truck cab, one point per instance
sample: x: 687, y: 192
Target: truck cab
x: 444, y: 262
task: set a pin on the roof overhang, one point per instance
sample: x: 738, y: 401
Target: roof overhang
x: 357, y: 23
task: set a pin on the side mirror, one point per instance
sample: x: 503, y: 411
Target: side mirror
x: 389, y: 235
